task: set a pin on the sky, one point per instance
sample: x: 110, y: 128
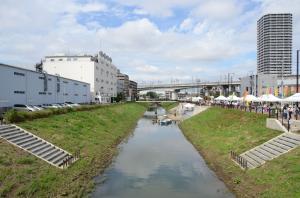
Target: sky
x: 153, y: 41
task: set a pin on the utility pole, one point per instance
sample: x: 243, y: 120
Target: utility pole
x: 228, y: 83
x: 297, y: 83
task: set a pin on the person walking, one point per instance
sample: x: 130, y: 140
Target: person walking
x: 290, y: 111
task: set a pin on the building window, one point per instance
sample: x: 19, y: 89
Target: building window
x: 49, y: 79
x: 75, y: 94
x: 84, y: 94
x: 49, y: 93
x: 19, y: 74
x: 19, y: 92
x: 68, y: 59
x: 97, y: 80
x: 52, y: 59
x: 66, y: 82
x: 42, y: 93
x: 74, y: 59
x: 60, y: 59
x: 75, y: 83
x: 84, y: 85
x: 42, y: 78
x: 65, y: 94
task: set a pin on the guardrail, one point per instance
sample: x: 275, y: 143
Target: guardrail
x: 238, y: 159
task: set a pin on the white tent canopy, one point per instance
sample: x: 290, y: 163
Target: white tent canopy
x: 251, y: 98
x: 293, y: 98
x: 233, y: 98
x: 196, y: 99
x: 269, y: 98
x: 221, y: 98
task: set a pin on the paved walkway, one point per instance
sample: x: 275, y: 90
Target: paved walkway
x: 178, y: 114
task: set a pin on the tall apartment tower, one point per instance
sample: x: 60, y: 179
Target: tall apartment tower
x: 274, y: 44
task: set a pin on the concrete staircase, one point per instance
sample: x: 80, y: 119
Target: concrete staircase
x: 271, y: 149
x: 36, y: 146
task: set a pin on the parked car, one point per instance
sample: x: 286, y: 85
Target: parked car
x: 34, y: 107
x: 72, y: 104
x: 22, y: 107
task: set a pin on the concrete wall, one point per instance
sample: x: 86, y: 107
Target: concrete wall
x: 21, y: 86
x: 275, y: 125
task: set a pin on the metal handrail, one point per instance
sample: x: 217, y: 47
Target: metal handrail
x: 240, y: 160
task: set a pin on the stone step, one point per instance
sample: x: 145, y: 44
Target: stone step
x: 252, y: 162
x: 59, y: 159
x: 35, y: 145
x: 265, y: 153
x: 282, y: 146
x: 60, y: 163
x: 26, y: 141
x: 49, y: 153
x: 44, y: 149
x: 255, y: 158
x: 19, y: 137
x: 286, y: 143
x: 29, y: 144
x: 296, y: 142
x: 51, y: 157
x: 275, y: 147
x: 270, y: 150
x: 8, y: 131
x: 260, y: 155
x: 12, y: 134
x: 6, y: 127
x: 292, y: 136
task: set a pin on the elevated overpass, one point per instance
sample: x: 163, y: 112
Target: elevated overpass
x: 180, y: 86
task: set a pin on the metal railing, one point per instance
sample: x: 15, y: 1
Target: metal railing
x: 70, y: 159
x: 240, y: 160
x: 272, y: 112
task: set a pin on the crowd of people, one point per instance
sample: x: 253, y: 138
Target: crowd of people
x: 287, y: 111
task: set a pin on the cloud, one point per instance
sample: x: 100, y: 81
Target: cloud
x: 203, y: 38
x: 218, y: 9
x: 158, y: 8
x: 147, y: 69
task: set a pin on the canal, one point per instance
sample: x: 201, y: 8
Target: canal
x: 157, y: 161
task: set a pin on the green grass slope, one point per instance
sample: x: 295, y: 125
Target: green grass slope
x: 96, y: 133
x: 217, y: 131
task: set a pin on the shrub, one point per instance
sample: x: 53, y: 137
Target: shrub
x: 13, y: 116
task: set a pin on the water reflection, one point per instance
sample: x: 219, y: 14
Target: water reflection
x: 157, y: 161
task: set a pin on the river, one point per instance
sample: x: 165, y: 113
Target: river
x: 158, y: 162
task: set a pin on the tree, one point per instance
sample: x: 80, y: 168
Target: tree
x: 152, y: 94
x: 120, y: 97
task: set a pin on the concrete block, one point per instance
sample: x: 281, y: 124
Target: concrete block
x: 275, y: 124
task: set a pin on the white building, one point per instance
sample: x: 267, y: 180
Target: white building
x: 97, y: 70
x: 23, y: 86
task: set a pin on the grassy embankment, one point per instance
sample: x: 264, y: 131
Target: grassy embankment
x: 96, y: 133
x: 169, y: 105
x: 217, y: 131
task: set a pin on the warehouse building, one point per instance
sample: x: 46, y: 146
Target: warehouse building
x: 23, y: 86
x: 98, y: 71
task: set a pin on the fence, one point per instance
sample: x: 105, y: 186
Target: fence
x: 272, y: 112
x: 240, y: 160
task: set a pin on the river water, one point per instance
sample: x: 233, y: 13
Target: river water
x: 158, y: 162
